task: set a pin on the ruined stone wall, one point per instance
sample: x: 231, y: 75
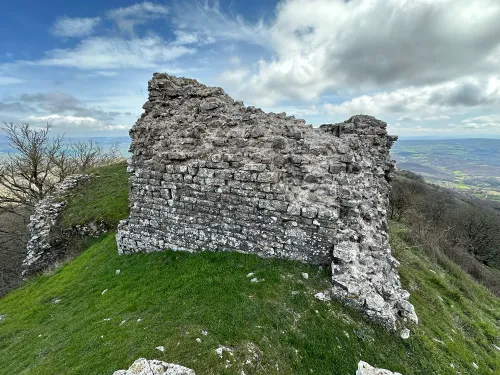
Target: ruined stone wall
x: 48, y: 241
x: 209, y: 174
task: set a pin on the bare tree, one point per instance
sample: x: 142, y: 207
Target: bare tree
x: 27, y: 175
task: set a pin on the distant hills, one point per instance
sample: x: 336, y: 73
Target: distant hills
x: 123, y: 143
x: 472, y: 165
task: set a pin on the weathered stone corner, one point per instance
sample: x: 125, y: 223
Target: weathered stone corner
x: 209, y: 174
x: 48, y: 240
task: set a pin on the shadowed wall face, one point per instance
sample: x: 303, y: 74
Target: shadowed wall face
x: 209, y: 174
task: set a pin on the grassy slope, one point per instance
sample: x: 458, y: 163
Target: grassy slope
x: 177, y: 295
x: 102, y: 198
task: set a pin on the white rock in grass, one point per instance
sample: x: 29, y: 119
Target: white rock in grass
x: 198, y: 340
x: 117, y: 272
x: 474, y: 364
x: 221, y: 349
x: 496, y: 347
x: 204, y: 332
x: 251, y: 274
x: 154, y: 367
x: 160, y: 348
x: 405, y: 333
x: 305, y: 275
x: 254, y: 280
x: 365, y: 369
x: 2, y: 317
x: 321, y: 296
x: 104, y: 291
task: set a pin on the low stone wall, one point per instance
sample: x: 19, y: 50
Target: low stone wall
x: 47, y: 239
x: 209, y: 174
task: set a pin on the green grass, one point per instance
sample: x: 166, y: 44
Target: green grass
x: 178, y: 295
x: 103, y: 198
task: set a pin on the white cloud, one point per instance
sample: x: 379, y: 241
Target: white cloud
x: 74, y: 27
x: 428, y: 118
x: 234, y: 60
x: 115, y: 53
x: 419, y: 130
x: 106, y: 73
x: 127, y: 18
x: 426, y: 102
x: 323, y: 46
x: 60, y: 119
x: 484, y: 119
x: 234, y: 76
x: 211, y: 23
x: 74, y: 122
x: 490, y: 123
x: 4, y: 80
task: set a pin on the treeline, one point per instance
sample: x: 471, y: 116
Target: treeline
x: 446, y: 223
x: 39, y: 161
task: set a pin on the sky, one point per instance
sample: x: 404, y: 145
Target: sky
x: 429, y: 68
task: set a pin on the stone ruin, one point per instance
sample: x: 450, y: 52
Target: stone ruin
x: 210, y: 174
x: 48, y: 240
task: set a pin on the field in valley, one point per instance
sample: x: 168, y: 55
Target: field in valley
x: 469, y: 165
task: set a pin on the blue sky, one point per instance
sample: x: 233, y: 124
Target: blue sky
x: 426, y: 67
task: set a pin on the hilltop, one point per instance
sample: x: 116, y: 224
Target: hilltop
x: 85, y: 317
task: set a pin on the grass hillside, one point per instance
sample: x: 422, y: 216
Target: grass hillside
x: 64, y: 322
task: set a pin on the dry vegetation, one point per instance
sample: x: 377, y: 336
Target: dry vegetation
x: 449, y: 225
x: 27, y: 175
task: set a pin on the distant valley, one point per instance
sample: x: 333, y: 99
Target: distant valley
x: 469, y: 165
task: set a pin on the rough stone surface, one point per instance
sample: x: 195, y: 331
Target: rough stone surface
x: 365, y: 369
x: 154, y: 367
x: 209, y: 174
x: 45, y: 235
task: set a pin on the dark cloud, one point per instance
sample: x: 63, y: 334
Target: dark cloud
x: 15, y: 107
x: 467, y: 94
x: 61, y: 103
x: 54, y: 102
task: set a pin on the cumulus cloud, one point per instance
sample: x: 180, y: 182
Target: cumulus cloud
x: 490, y: 123
x: 74, y: 27
x: 63, y: 111
x: 429, y: 101
x: 114, y: 53
x: 126, y: 18
x: 319, y: 46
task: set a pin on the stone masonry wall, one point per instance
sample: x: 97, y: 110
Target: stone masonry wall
x: 48, y: 242
x: 209, y: 174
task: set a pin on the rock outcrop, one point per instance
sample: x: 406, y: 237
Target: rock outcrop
x: 365, y: 369
x: 209, y: 174
x: 154, y: 367
x: 46, y: 238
